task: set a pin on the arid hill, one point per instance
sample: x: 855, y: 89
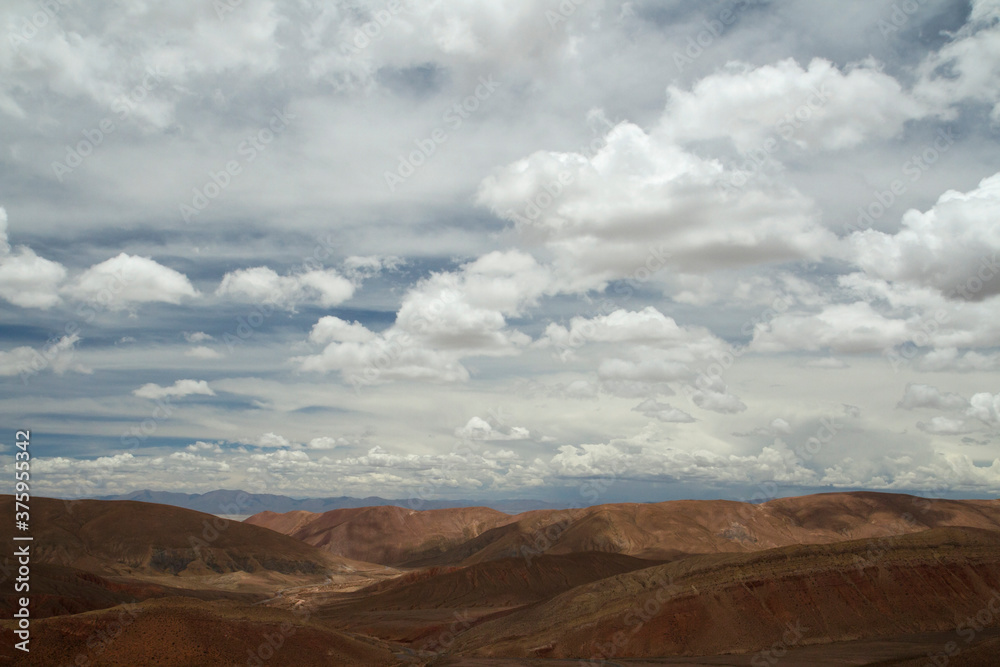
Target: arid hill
x: 657, y: 531
x: 745, y: 602
x: 386, y: 534
x: 845, y: 574
x: 186, y: 631
x: 512, y: 582
x: 125, y: 537
x: 93, y: 554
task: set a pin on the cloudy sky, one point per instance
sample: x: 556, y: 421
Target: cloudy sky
x: 583, y: 251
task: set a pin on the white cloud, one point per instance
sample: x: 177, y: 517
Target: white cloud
x: 263, y: 285
x: 56, y: 356
x: 368, y: 266
x: 926, y: 396
x: 443, y: 319
x: 651, y: 350
x: 717, y: 399
x: 854, y: 327
x: 202, y: 352
x: 966, y: 68
x: 178, y: 389
x: 642, y: 203
x: 208, y: 447
x: 124, y: 280
x: 197, y: 336
x: 332, y: 329
x: 480, y: 429
x: 26, y: 279
x: 816, y: 107
x: 985, y: 407
x: 949, y: 359
x: 328, y: 443
x: 945, y: 426
x: 268, y: 439
x: 952, y: 247
x: 30, y: 281
x: 663, y: 412
x: 677, y: 346
x: 89, y: 58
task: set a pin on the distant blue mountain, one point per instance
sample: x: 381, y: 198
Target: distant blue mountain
x: 225, y: 501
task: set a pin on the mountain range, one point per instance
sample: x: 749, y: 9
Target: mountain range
x: 235, y: 502
x: 830, y: 579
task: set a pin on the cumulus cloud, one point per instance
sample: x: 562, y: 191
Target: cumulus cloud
x: 950, y: 359
x: 205, y: 447
x: 985, y: 407
x: 926, y: 396
x: 643, y: 351
x: 332, y: 329
x: 814, y: 107
x: 267, y: 440
x: 202, y: 352
x: 443, y: 319
x: 952, y: 247
x: 57, y: 356
x: 965, y: 69
x: 717, y: 398
x: 854, y: 327
x: 363, y: 267
x: 125, y: 280
x: 178, y: 389
x: 26, y: 279
x: 945, y: 426
x: 480, y: 429
x: 90, y: 58
x: 263, y: 285
x: 328, y: 443
x: 642, y: 203
x: 663, y: 412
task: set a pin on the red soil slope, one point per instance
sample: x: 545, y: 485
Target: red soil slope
x: 678, y: 528
x: 740, y: 603
x: 385, y: 534
x: 185, y: 631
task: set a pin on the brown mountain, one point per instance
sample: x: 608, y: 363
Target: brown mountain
x: 511, y: 582
x: 679, y: 528
x: 385, y: 534
x: 125, y: 537
x: 93, y: 554
x: 186, y: 631
x: 745, y: 602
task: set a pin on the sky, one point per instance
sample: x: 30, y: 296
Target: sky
x: 581, y: 251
